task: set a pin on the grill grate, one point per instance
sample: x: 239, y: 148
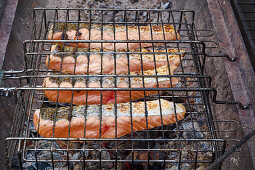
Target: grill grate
x: 193, y: 142
x: 245, y: 12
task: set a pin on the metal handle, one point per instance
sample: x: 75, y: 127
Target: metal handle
x: 241, y: 106
x: 222, y: 55
x: 232, y: 150
x: 7, y: 92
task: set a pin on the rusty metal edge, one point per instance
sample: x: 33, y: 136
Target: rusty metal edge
x: 6, y: 26
x: 240, y: 73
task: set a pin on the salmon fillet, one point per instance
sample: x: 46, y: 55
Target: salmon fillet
x: 108, y: 65
x: 157, y: 33
x: 44, y: 119
x: 79, y: 97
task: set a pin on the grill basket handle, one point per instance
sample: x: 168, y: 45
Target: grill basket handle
x: 222, y: 55
x: 218, y: 161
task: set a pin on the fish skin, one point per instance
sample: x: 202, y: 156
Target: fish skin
x: 77, y: 123
x: 157, y: 33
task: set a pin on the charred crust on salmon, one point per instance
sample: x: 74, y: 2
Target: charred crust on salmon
x: 64, y: 36
x: 157, y: 115
x: 73, y: 26
x: 78, y: 34
x: 160, y: 71
x: 94, y: 33
x: 123, y: 109
x: 94, y: 97
x: 79, y: 60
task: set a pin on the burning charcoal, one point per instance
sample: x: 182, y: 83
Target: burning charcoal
x: 201, y: 121
x: 43, y: 155
x: 78, y: 166
x: 33, y: 165
x: 185, y: 155
x: 102, y: 6
x: 191, y: 132
x: 96, y: 145
x: 15, y: 162
x: 179, y: 84
x: 198, y: 100
x: 95, y: 155
x: 118, y: 2
x: 105, y: 155
x: 135, y: 166
x: 172, y: 145
x: 46, y: 155
x: 71, y: 145
x: 173, y: 168
x: 156, y: 166
x: 167, y: 5
x: 41, y: 165
x: 134, y: 1
x: 172, y: 155
x: 76, y: 156
x: 186, y: 166
x: 115, y: 12
x: 47, y: 144
x: 89, y: 4
x: 160, y: 153
x: 204, y: 146
x: 144, y: 14
x: 159, y: 6
x: 143, y: 155
x: 29, y: 157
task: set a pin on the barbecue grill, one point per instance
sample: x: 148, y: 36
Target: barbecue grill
x: 245, y: 14
x: 194, y: 142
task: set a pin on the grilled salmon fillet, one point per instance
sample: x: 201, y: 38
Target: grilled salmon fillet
x: 44, y: 119
x: 66, y: 63
x: 94, y: 97
x: 96, y: 32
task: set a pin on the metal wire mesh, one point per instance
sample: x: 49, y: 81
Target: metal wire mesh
x: 245, y: 12
x: 192, y: 142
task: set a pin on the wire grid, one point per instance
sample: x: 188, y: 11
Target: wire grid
x: 175, y: 145
x: 245, y: 11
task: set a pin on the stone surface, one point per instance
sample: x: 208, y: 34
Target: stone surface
x: 8, y: 14
x: 2, y: 5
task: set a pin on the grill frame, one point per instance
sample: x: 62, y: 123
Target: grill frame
x: 244, y: 11
x: 240, y: 73
x: 199, y: 76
